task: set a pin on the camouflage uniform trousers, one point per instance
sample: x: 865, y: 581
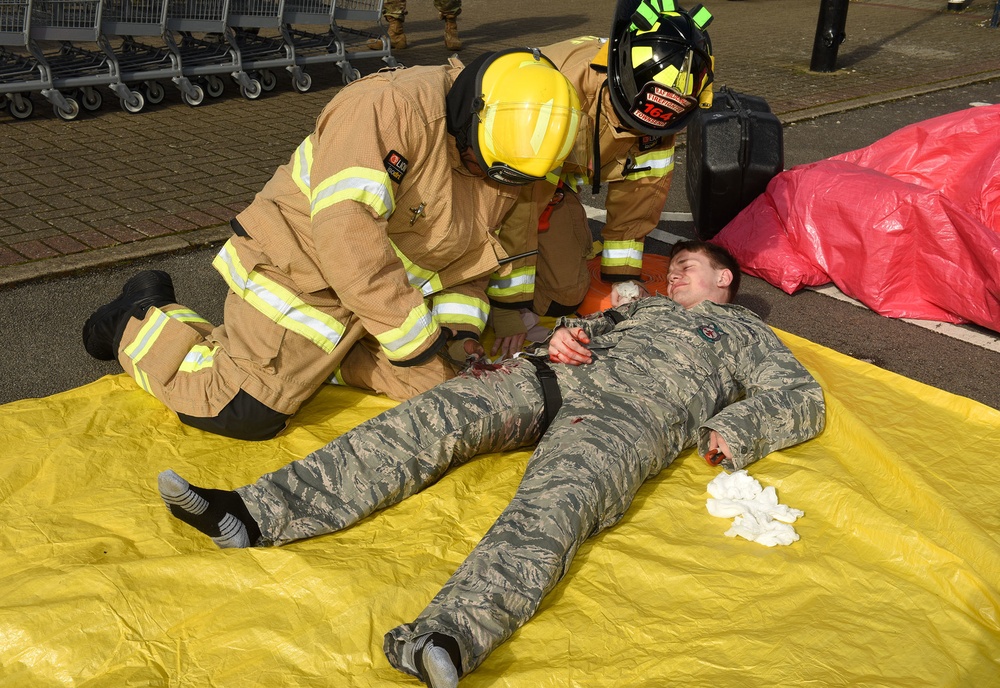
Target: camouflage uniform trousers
x: 581, y: 479
x: 397, y: 8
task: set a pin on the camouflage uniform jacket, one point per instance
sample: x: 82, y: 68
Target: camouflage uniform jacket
x: 719, y: 367
x: 376, y: 205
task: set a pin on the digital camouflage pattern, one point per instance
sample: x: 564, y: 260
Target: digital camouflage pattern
x: 661, y: 379
x: 397, y: 8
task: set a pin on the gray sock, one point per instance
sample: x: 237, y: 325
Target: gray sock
x: 439, y: 670
x: 220, y: 514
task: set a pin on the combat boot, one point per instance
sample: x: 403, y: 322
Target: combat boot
x: 397, y: 36
x: 451, y: 39
x: 103, y: 330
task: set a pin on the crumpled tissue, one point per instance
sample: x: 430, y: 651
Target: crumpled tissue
x: 755, y: 511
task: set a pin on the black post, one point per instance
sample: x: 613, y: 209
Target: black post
x: 829, y: 35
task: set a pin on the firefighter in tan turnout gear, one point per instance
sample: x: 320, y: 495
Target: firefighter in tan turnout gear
x: 365, y: 259
x: 640, y: 88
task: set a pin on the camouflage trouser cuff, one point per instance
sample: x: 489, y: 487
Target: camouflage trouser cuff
x: 402, y: 647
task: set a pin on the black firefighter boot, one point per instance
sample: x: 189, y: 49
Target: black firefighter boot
x: 103, y: 329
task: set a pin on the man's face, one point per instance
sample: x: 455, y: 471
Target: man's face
x: 691, y: 279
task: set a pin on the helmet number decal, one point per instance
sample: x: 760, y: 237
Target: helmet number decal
x: 657, y: 106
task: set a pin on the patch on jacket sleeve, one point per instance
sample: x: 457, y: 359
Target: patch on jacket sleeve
x: 648, y: 143
x: 395, y: 166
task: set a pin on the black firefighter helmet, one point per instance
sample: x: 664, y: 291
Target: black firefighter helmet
x: 659, y: 62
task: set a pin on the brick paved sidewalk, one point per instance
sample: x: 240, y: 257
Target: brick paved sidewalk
x: 111, y: 186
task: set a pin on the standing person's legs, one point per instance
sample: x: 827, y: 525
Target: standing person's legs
x: 449, y: 11
x: 379, y: 463
x: 580, y: 480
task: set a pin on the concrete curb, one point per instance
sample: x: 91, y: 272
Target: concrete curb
x: 17, y: 275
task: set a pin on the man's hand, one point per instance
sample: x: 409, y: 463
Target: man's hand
x: 508, y: 346
x: 568, y: 345
x: 718, y: 449
x: 627, y: 292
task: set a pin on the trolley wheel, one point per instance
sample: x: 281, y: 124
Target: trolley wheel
x: 214, y: 86
x: 196, y: 99
x: 349, y: 75
x: 267, y: 80
x: 21, y: 108
x: 253, y: 91
x: 154, y: 92
x: 302, y: 83
x: 390, y: 61
x: 136, y: 106
x: 91, y: 99
x: 71, y: 112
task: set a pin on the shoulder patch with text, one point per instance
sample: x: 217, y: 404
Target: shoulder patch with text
x: 648, y: 143
x: 395, y: 166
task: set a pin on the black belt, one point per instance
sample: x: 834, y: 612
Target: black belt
x: 550, y: 391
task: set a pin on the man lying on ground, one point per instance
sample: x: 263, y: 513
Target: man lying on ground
x: 627, y: 391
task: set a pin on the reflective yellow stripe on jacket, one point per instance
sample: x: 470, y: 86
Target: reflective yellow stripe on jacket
x: 277, y: 302
x: 654, y: 164
x: 400, y: 342
x: 425, y: 281
x: 618, y: 253
x: 519, y: 283
x: 367, y: 186
x: 456, y: 308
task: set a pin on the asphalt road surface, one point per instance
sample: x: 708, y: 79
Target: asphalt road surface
x: 42, y: 321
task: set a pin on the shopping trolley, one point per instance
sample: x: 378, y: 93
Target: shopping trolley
x: 363, y: 11
x: 19, y: 74
x: 260, y: 53
x: 209, y: 54
x: 312, y: 48
x: 123, y: 21
x: 68, y: 67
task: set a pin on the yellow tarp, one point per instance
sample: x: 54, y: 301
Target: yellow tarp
x: 895, y: 582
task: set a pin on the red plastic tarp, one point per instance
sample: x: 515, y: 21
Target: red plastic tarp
x: 909, y: 226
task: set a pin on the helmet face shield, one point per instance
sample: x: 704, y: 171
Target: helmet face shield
x: 548, y: 135
x: 527, y: 117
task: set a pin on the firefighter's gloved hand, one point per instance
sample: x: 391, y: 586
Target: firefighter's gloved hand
x: 460, y: 350
x: 509, y: 332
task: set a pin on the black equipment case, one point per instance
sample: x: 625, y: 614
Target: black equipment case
x: 733, y: 150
